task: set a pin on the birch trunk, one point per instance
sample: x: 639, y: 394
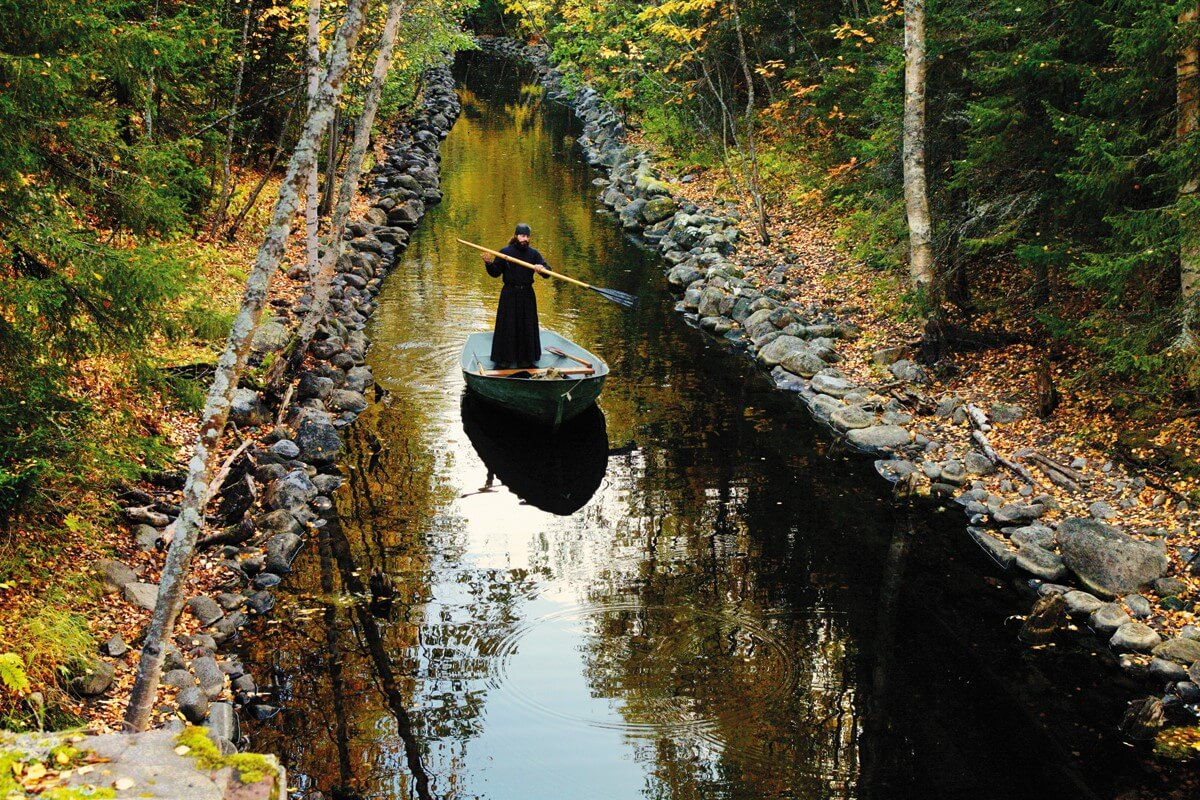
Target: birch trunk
x: 312, y: 218
x: 229, y: 369
x: 1187, y: 103
x: 916, y: 196
x: 323, y: 279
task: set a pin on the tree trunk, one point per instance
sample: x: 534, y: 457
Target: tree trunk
x: 312, y: 219
x: 332, y: 144
x: 755, y: 180
x: 1187, y: 102
x: 231, y: 233
x: 229, y: 369
x: 323, y: 279
x: 227, y: 156
x: 916, y: 196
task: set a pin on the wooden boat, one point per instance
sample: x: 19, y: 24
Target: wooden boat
x: 565, y: 381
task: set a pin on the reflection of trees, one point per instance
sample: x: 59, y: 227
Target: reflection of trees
x: 716, y: 609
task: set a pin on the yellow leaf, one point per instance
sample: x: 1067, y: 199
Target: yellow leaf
x: 35, y: 771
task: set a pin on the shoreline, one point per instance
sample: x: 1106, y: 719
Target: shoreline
x: 1045, y: 529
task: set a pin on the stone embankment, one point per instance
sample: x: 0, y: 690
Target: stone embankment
x: 278, y: 492
x: 1096, y: 570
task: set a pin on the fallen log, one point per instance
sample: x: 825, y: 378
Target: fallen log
x: 1056, y: 473
x: 990, y: 453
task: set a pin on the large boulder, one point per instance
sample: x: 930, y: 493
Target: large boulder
x: 781, y: 348
x: 879, y: 438
x: 1108, y: 561
x: 318, y: 438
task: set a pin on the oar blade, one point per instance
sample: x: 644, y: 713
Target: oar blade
x: 620, y: 298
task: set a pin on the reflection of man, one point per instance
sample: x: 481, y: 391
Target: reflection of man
x: 516, y: 340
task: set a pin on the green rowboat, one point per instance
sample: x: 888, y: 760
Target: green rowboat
x: 558, y: 387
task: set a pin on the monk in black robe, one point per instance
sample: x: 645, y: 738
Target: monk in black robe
x: 516, y: 340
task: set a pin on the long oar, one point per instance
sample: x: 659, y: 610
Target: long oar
x: 620, y: 298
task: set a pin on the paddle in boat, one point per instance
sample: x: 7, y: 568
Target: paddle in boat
x: 564, y: 382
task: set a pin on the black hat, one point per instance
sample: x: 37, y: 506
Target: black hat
x: 522, y: 230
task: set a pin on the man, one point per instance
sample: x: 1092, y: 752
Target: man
x: 516, y: 340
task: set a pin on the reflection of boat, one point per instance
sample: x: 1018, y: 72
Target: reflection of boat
x: 557, y: 387
x: 556, y: 471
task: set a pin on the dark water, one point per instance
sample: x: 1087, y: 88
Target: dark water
x: 683, y: 595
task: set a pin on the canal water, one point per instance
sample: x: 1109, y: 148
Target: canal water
x: 688, y: 593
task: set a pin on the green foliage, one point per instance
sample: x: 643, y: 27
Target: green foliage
x: 12, y: 673
x: 1051, y: 138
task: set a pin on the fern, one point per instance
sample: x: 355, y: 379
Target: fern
x: 12, y: 673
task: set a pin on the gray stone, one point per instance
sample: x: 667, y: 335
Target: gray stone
x: 1169, y: 587
x: 889, y: 355
x: 205, y: 609
x: 146, y: 537
x: 230, y: 600
x: 209, y: 675
x: 931, y: 470
x: 1136, y: 636
x: 280, y: 521
x: 1040, y: 563
x: 782, y: 348
x: 823, y: 406
x: 142, y: 595
x: 851, y: 418
x: 271, y: 335
x: 222, y: 722
x: 894, y: 469
x: 359, y: 379
x: 114, y: 574
x: 286, y: 448
x: 1190, y: 632
x: 179, y: 678
x: 1108, y: 561
x: 1167, y: 671
x: 281, y: 551
x: 954, y: 472
x: 115, y: 647
x: 879, y: 437
x: 908, y: 371
x: 318, y: 438
x: 193, y: 704
x: 657, y: 209
x: 91, y: 679
x: 1003, y: 413
x: 1107, y: 618
x: 1139, y: 606
x: 1180, y: 650
x: 1031, y: 534
x: 290, y: 492
x: 947, y: 405
x: 346, y: 400
x: 1101, y: 510
x: 313, y: 385
x: 804, y: 363
x: 978, y: 464
x: 1018, y: 512
x: 247, y: 408
x: 833, y: 386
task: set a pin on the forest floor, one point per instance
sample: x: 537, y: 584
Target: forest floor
x: 1141, y: 458
x: 57, y: 555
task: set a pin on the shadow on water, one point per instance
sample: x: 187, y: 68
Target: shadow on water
x: 556, y: 471
x: 689, y: 594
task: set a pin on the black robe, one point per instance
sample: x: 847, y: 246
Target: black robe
x: 516, y: 340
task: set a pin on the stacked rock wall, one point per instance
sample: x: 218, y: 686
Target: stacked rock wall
x: 295, y: 466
